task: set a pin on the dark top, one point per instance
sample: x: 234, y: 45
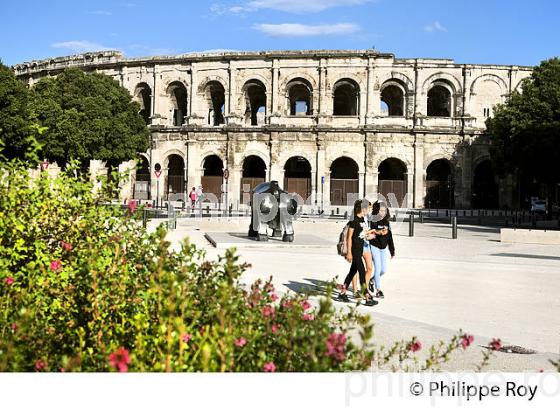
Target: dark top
x: 382, y: 241
x: 358, y: 224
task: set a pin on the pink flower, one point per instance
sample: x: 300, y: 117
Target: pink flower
x: 336, y: 343
x: 120, y: 360
x: 274, y: 297
x: 466, y: 340
x: 308, y: 316
x: 305, y: 305
x: 287, y: 304
x: 274, y: 328
x: 496, y: 344
x: 9, y: 281
x: 186, y: 337
x: 415, y: 346
x: 14, y: 327
x: 269, y: 287
x: 269, y: 367
x: 240, y: 342
x: 132, y: 206
x: 66, y: 246
x: 56, y: 265
x: 268, y: 311
x: 40, y: 365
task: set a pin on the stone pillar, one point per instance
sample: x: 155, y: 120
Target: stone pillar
x: 326, y: 200
x: 370, y: 102
x: 409, y: 179
x: 323, y: 103
x: 373, y: 177
x: 154, y: 92
x: 323, y: 190
x: 275, y: 88
x: 314, y: 194
x: 277, y: 174
x: 362, y: 108
x: 419, y: 179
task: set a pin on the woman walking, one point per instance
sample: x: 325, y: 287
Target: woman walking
x: 381, y: 245
x: 356, y: 236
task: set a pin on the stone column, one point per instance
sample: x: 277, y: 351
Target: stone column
x: 370, y: 113
x: 154, y: 91
x: 362, y: 108
x: 322, y: 190
x: 313, y: 193
x: 275, y: 87
x: 323, y: 103
x: 409, y: 178
x: 419, y: 179
x: 374, y: 178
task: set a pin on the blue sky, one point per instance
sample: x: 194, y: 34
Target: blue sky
x: 474, y: 31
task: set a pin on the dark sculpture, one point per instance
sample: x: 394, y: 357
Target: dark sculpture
x: 274, y: 208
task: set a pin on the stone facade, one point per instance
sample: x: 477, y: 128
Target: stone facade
x: 325, y: 123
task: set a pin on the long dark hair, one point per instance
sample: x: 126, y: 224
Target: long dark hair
x: 375, y: 211
x: 359, y: 206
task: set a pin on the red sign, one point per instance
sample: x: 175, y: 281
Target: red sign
x: 44, y: 165
x: 226, y: 174
x: 158, y: 174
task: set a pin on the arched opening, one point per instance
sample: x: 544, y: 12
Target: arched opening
x: 143, y: 94
x: 344, y: 181
x: 216, y: 98
x: 392, y: 179
x: 255, y: 99
x: 213, y: 175
x: 300, y: 97
x: 175, y: 183
x: 439, y: 101
x: 142, y: 180
x: 346, y: 97
x: 392, y: 97
x: 439, y: 185
x: 254, y: 173
x: 484, y: 187
x: 178, y: 96
x: 297, y: 176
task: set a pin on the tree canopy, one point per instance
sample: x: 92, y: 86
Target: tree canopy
x: 88, y: 116
x: 525, y: 131
x: 15, y: 123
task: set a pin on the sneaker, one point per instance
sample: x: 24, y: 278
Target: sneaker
x: 379, y: 294
x: 371, y: 302
x: 371, y: 287
x: 343, y: 297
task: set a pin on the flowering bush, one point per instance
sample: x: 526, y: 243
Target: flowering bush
x: 83, y: 287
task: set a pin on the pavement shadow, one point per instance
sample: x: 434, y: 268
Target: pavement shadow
x: 527, y: 256
x: 312, y: 287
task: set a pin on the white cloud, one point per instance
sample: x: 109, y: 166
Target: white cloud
x: 435, y: 26
x: 303, y: 30
x: 290, y: 6
x: 80, y: 46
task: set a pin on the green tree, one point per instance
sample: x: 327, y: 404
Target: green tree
x: 15, y: 123
x: 88, y: 116
x: 525, y: 131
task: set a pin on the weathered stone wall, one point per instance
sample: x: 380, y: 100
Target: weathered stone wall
x: 369, y: 135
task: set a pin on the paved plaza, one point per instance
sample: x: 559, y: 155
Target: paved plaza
x: 435, y: 285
